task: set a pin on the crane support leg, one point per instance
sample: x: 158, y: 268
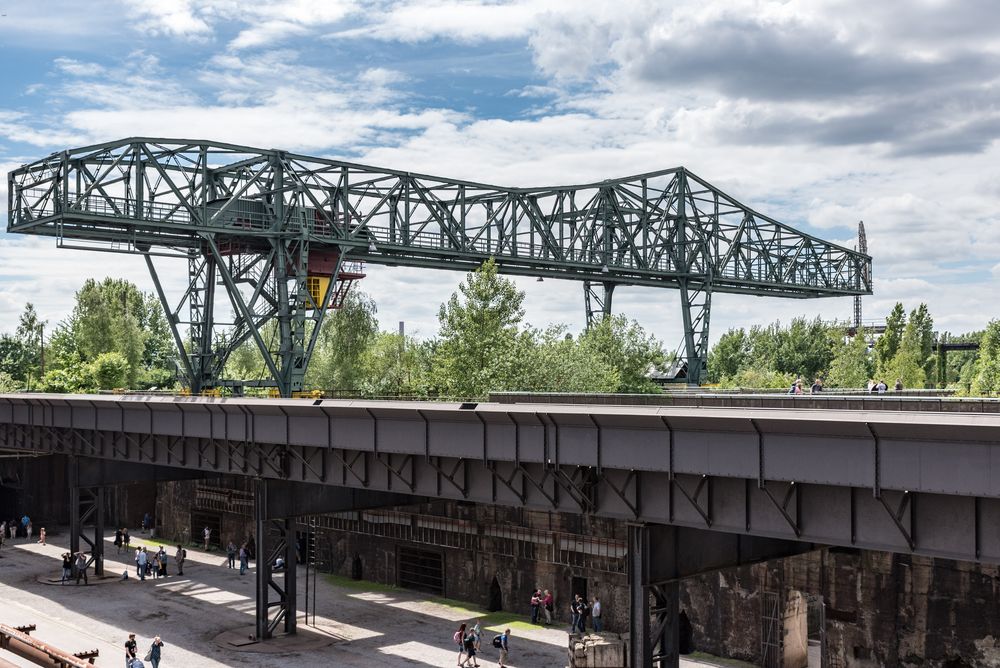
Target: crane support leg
x: 597, y: 300
x: 696, y: 305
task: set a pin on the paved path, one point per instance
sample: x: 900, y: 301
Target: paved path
x: 358, y: 625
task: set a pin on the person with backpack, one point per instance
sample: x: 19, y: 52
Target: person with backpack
x: 470, y: 649
x: 500, y: 642
x: 584, y: 609
x: 459, y: 639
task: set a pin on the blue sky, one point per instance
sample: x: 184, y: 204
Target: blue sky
x: 818, y: 113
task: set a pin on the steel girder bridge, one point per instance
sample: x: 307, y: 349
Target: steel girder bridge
x: 286, y: 234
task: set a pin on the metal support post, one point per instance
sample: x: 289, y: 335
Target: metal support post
x: 597, y: 300
x: 275, y: 538
x: 654, y: 632
x: 86, y: 505
x: 696, y: 305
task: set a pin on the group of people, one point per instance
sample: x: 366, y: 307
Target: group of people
x: 815, y: 388
x: 79, y: 562
x: 132, y: 659
x: 541, y: 602
x: 879, y: 387
x: 15, y: 528
x: 581, y: 610
x: 156, y: 564
x: 469, y: 641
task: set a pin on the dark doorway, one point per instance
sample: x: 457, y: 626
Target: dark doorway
x: 579, y: 586
x: 496, y: 596
x: 422, y: 570
x: 198, y: 523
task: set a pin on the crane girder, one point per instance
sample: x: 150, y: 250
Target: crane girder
x: 196, y: 199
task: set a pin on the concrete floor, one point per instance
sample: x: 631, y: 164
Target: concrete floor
x: 201, y: 615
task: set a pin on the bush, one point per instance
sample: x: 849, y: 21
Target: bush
x: 110, y: 371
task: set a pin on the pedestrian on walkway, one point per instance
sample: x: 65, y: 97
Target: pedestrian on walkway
x: 67, y: 567
x: 469, y: 643
x: 547, y: 606
x: 504, y: 649
x: 244, y: 565
x: 584, y: 608
x: 231, y: 553
x: 162, y: 558
x: 130, y: 649
x: 81, y: 568
x: 126, y: 539
x: 477, y: 632
x: 41, y: 536
x: 574, y: 609
x: 118, y: 541
x: 595, y: 613
x: 153, y: 655
x: 459, y: 639
x: 147, y: 522
x: 208, y: 537
x: 180, y: 556
x: 142, y: 560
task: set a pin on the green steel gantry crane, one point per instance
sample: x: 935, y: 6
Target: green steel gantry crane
x: 286, y: 234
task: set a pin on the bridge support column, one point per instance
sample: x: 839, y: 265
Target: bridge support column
x: 597, y: 300
x: 654, y: 633
x: 86, y: 506
x: 696, y: 307
x: 275, y: 538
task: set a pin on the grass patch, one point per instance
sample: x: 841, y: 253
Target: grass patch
x: 358, y: 585
x: 501, y: 619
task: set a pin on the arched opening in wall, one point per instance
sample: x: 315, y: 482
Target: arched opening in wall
x: 357, y: 568
x: 496, y: 596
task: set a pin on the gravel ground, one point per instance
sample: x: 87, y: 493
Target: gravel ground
x: 201, y: 614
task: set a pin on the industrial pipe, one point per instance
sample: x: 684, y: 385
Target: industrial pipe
x: 36, y: 651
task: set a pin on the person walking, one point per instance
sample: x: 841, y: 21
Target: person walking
x: 504, y: 648
x: 118, y: 541
x: 477, y: 632
x: 458, y: 639
x: 817, y: 387
x: 595, y: 614
x: 81, y: 568
x: 67, y: 567
x: 231, y: 553
x: 126, y: 539
x: 130, y: 650
x: 179, y: 557
x: 469, y: 643
x: 147, y: 522
x: 153, y: 655
x: 547, y: 607
x: 899, y: 385
x: 41, y: 536
x: 244, y: 558
x: 162, y: 558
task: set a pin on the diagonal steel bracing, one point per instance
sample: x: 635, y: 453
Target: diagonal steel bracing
x: 269, y: 213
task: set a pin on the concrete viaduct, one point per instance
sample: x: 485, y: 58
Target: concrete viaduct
x: 702, y: 488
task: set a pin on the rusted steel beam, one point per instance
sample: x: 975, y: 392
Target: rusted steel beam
x: 23, y: 645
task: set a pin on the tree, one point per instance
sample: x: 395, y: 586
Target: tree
x: 888, y: 344
x: 110, y: 371
x: 908, y: 363
x: 804, y: 349
x: 14, y: 358
x: 395, y: 364
x: 986, y: 379
x: 758, y: 378
x: 29, y: 335
x: 851, y: 366
x: 478, y: 350
x: 923, y: 325
x: 623, y: 345
x: 731, y: 353
x: 560, y: 363
x: 7, y: 383
x: 108, y: 317
x: 338, y: 360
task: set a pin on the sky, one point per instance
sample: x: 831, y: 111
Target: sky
x: 818, y: 113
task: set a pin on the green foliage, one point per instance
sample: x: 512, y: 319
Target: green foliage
x: 805, y: 348
x: 986, y: 378
x: 478, y: 350
x: 852, y: 363
x: 922, y: 325
x: 730, y: 354
x: 110, y: 370
x: 15, y: 358
x: 338, y: 360
x: 624, y: 346
x: 888, y: 344
x: 395, y: 365
x: 558, y: 363
x: 757, y: 378
x: 7, y: 383
x: 72, y: 379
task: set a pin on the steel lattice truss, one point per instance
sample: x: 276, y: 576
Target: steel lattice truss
x: 257, y: 220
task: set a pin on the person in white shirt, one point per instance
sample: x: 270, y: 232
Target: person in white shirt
x: 595, y: 614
